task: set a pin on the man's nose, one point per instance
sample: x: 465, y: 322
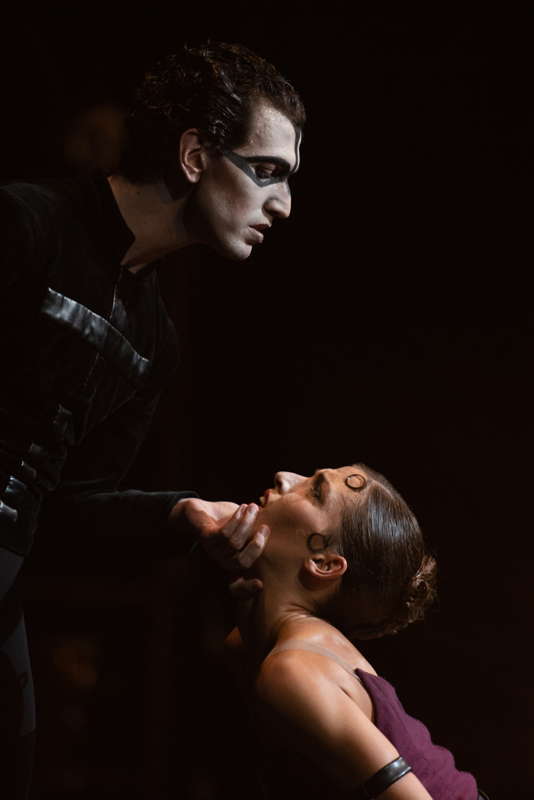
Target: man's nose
x: 279, y: 202
x: 285, y: 481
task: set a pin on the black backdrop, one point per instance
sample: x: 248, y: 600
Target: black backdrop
x: 388, y: 321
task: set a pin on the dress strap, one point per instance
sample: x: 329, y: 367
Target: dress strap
x: 302, y: 644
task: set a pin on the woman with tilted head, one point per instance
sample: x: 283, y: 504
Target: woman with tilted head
x: 344, y: 560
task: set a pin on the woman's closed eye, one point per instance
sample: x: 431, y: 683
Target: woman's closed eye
x: 316, y: 489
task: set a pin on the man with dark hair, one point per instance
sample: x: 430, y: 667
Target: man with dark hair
x: 210, y: 145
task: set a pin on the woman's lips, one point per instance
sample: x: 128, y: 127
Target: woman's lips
x: 264, y: 499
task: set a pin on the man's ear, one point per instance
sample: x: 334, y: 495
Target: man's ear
x: 325, y: 566
x: 193, y: 156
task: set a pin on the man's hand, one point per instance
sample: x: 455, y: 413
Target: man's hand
x: 202, y: 513
x: 226, y: 532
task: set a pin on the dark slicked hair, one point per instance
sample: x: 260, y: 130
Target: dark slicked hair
x: 211, y: 87
x: 390, y: 579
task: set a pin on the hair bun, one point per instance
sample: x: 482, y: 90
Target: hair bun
x: 422, y: 588
x: 419, y: 594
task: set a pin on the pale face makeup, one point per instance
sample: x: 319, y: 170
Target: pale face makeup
x: 242, y: 192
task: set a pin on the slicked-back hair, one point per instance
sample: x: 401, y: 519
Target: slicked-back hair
x: 391, y: 578
x: 211, y: 87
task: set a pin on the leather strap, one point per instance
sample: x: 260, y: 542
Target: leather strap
x: 383, y: 779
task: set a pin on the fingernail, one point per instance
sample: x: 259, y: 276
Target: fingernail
x: 261, y: 536
x: 252, y: 509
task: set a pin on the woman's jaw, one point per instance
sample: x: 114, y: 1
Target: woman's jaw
x: 301, y: 567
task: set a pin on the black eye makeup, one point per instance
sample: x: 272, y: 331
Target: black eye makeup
x: 262, y: 170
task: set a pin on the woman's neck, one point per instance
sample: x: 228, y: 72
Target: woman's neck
x: 273, y: 610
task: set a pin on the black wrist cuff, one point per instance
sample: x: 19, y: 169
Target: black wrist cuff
x: 382, y: 779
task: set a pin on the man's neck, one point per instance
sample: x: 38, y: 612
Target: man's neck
x: 154, y: 218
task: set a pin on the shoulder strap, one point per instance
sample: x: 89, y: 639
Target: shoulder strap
x: 302, y: 644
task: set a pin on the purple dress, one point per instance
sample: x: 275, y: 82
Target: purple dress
x: 432, y: 764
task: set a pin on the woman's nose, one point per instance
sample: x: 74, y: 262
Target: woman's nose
x: 285, y: 481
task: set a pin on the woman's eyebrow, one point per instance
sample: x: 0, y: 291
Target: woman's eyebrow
x: 320, y: 481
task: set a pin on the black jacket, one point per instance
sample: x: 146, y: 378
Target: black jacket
x: 87, y: 347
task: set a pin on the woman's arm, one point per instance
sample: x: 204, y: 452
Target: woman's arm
x: 327, y: 725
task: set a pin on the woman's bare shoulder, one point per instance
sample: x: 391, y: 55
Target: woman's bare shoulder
x: 290, y: 677
x: 283, y: 668
x: 299, y: 688
x: 312, y: 712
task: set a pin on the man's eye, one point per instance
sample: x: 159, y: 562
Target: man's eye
x: 316, y: 490
x: 262, y: 171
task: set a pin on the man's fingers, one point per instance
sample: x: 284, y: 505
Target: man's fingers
x: 202, y: 521
x: 242, y: 532
x: 254, y: 548
x: 235, y: 546
x: 229, y: 528
x: 217, y: 539
x: 243, y: 589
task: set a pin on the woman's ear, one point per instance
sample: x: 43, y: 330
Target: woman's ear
x: 325, y: 566
x: 193, y: 156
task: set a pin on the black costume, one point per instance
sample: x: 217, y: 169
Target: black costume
x: 87, y: 347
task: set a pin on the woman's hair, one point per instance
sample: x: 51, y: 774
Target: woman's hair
x: 390, y: 579
x: 211, y: 87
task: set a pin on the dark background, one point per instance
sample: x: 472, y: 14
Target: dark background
x: 389, y: 321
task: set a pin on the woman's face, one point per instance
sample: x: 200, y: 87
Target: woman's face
x: 298, y: 507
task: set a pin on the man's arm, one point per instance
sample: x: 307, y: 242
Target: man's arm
x: 91, y: 500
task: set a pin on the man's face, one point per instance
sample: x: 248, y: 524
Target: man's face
x: 238, y: 198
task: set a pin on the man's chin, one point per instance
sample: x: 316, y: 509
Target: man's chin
x: 237, y: 253
x: 232, y: 251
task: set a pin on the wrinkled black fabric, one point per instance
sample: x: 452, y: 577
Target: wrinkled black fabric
x: 87, y: 349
